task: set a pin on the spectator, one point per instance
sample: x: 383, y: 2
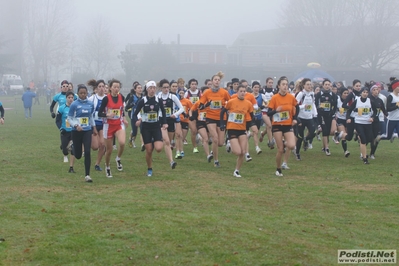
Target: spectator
x: 27, y: 98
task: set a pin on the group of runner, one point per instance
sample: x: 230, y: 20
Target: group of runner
x: 166, y: 111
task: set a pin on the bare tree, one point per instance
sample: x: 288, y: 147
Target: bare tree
x: 98, y: 49
x: 46, y: 35
x: 345, y: 32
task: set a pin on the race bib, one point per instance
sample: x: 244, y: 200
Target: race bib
x: 281, y: 116
x: 216, y: 105
x: 168, y: 111
x: 258, y: 112
x: 194, y: 99
x: 115, y: 112
x: 342, y: 111
x: 308, y: 108
x: 67, y: 125
x: 84, y: 121
x: 326, y: 106
x: 236, y: 118
x: 363, y: 111
x: 150, y: 117
x: 202, y: 116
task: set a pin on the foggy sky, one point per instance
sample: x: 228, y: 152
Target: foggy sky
x: 197, y: 22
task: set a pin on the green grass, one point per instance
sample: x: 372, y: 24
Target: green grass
x: 193, y: 215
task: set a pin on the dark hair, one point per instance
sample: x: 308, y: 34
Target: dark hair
x: 81, y: 86
x: 325, y: 80
x: 303, y: 82
x: 342, y: 90
x: 69, y: 93
x: 134, y: 83
x: 95, y: 83
x: 206, y: 81
x: 281, y: 79
x: 356, y: 81
x: 192, y: 80
x: 241, y: 86
x: 164, y: 81
x: 391, y: 81
x: 112, y: 81
x: 135, y: 86
x: 269, y: 78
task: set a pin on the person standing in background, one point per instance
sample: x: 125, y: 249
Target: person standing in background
x: 27, y: 98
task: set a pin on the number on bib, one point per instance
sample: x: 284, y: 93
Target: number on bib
x: 216, y: 105
x: 308, y: 108
x: 281, y: 116
x: 236, y: 118
x: 326, y: 106
x: 115, y: 112
x: 202, y: 116
x: 194, y: 99
x: 168, y: 111
x: 84, y: 121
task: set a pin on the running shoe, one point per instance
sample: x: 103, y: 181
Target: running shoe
x: 278, y: 173
x: 97, y: 168
x: 310, y: 146
x: 119, y: 165
x: 66, y: 159
x: 173, y: 164
x: 185, y: 142
x: 394, y: 136
x: 70, y: 146
x: 372, y: 156
x: 88, y: 179
x: 298, y: 157
x: 347, y: 153
x: 318, y: 137
x: 248, y: 158
x: 134, y: 144
x: 195, y: 150
x: 258, y: 150
x: 114, y: 148
x: 198, y: 139
x: 327, y: 152
x: 305, y: 145
x: 216, y: 164
x: 182, y: 153
x: 108, y: 173
x: 270, y: 144
x: 142, y: 147
x: 178, y: 155
x: 236, y: 174
x: 209, y: 157
x: 356, y: 138
x: 71, y: 170
x: 285, y: 166
x: 130, y: 143
x: 366, y: 161
x: 261, y: 137
x: 149, y: 172
x: 341, y: 133
x: 228, y: 147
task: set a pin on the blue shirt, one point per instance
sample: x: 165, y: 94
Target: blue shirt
x: 27, y: 98
x: 81, y: 113
x: 64, y: 111
x: 258, y: 113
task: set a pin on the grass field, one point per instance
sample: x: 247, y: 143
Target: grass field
x: 192, y: 215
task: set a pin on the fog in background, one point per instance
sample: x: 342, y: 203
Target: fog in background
x: 51, y: 40
x: 197, y: 22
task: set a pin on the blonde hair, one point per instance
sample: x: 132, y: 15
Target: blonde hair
x: 220, y: 74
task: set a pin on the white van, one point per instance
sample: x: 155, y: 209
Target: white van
x: 12, y: 84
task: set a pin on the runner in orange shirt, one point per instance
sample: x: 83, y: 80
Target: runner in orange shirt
x: 184, y: 121
x: 216, y: 98
x: 250, y: 124
x: 283, y: 109
x: 238, y: 109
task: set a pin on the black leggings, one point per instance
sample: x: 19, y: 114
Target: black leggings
x: 376, y: 131
x: 350, y: 127
x: 365, y: 133
x: 65, y: 138
x: 305, y: 123
x: 325, y: 123
x: 80, y: 138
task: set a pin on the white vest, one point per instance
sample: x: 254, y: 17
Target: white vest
x: 364, y: 113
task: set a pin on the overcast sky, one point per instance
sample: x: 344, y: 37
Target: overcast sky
x: 197, y: 22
